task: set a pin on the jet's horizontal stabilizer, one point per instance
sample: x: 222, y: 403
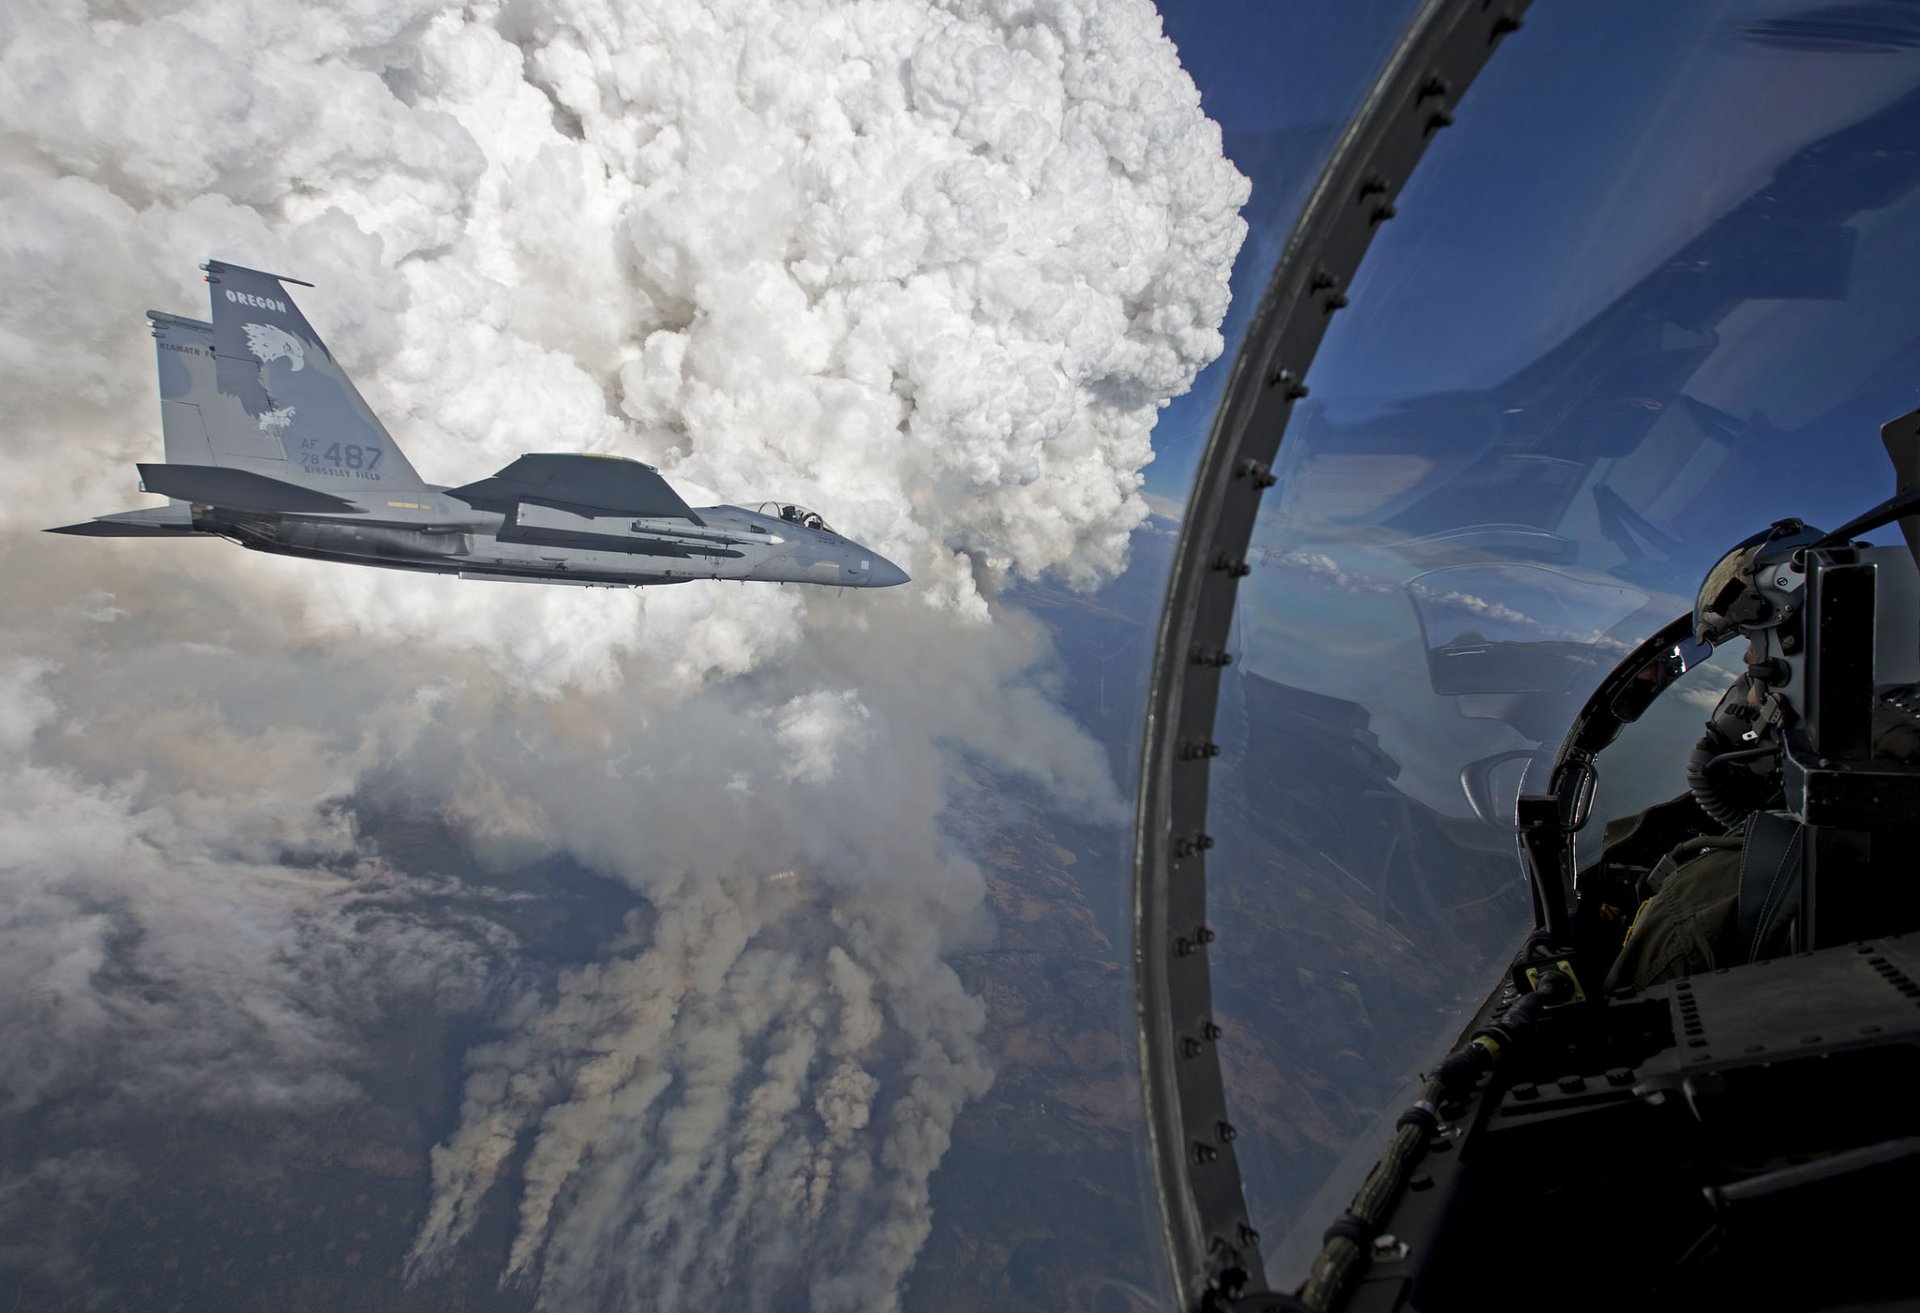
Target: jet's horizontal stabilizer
x: 582, y: 484
x: 240, y: 490
x: 153, y: 522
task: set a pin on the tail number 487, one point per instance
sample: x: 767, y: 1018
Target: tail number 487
x: 348, y: 456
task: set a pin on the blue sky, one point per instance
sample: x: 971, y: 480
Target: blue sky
x: 1621, y: 139
x: 1280, y: 77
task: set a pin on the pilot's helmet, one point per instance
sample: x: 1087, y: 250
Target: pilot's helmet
x: 1731, y: 599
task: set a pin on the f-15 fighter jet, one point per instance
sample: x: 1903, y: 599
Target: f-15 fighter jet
x: 268, y: 444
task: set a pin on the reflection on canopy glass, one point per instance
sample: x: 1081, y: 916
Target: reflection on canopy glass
x: 1502, y: 628
x: 1651, y: 293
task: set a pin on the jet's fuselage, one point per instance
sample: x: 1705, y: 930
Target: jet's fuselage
x: 441, y: 535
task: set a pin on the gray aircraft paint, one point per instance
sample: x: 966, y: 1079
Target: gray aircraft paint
x: 303, y: 410
x: 269, y: 444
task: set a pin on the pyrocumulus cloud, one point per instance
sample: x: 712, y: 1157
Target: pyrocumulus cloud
x: 929, y: 267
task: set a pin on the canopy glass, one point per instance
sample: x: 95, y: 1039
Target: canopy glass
x: 1652, y: 291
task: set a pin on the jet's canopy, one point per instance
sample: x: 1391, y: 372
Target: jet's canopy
x: 793, y: 513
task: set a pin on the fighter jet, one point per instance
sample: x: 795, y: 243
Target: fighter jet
x: 269, y: 444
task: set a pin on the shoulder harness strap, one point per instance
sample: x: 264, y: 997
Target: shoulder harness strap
x: 1770, y: 865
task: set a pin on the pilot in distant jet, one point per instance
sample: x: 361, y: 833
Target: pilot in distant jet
x: 268, y: 444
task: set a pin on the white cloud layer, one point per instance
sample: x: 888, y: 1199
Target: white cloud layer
x: 929, y: 267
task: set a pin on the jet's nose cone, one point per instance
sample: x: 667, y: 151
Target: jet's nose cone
x: 885, y: 574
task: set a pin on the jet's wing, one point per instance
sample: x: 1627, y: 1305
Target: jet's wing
x: 582, y: 484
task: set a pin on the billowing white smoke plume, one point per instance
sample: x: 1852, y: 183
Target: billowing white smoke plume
x: 928, y: 267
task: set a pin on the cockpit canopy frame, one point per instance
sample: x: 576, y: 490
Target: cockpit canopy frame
x: 794, y: 513
x: 1211, y: 1244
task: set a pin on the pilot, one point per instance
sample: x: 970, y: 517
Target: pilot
x: 1671, y: 875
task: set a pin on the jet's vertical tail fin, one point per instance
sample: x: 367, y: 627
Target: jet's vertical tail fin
x: 271, y: 397
x: 185, y: 351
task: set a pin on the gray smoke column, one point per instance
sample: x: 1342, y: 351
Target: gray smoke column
x: 931, y: 268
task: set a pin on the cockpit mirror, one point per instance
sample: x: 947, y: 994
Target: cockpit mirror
x: 1492, y: 785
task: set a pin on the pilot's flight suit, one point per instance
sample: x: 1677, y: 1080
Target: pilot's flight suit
x: 1688, y: 920
x: 1681, y: 886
